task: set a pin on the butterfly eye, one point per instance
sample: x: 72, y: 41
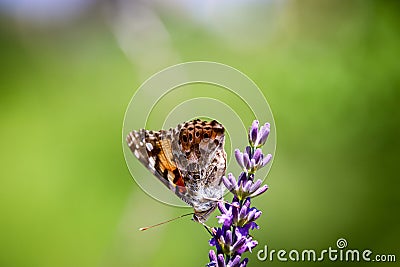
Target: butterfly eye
x: 190, y: 137
x: 197, y: 134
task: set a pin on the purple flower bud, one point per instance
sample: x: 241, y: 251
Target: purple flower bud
x: 213, y: 242
x: 212, y: 256
x: 232, y: 179
x: 253, y: 132
x: 246, y: 160
x: 257, y: 214
x: 259, y: 191
x: 242, y: 231
x: 239, y: 157
x: 253, y: 225
x: 242, y: 178
x: 222, y: 208
x: 247, y: 203
x: 227, y: 183
x: 248, y: 151
x: 225, y: 219
x: 235, y: 215
x: 263, y: 134
x: 228, y: 238
x: 238, y: 245
x: 257, y: 155
x: 243, y: 212
x: 251, y: 214
x: 255, y: 186
x: 235, y: 262
x: 266, y: 159
x: 221, y: 260
x: 246, y: 186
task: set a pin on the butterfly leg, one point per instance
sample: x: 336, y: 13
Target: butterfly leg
x: 223, y: 201
x: 209, y: 229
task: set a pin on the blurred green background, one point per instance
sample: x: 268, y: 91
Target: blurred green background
x: 329, y: 69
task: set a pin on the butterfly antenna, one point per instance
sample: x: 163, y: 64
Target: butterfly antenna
x: 161, y: 223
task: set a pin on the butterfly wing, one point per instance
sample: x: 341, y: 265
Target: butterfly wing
x: 190, y: 160
x: 154, y: 151
x: 201, y: 158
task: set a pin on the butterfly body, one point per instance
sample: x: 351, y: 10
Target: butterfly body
x: 189, y: 159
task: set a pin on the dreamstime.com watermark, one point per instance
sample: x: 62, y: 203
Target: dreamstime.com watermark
x: 338, y: 253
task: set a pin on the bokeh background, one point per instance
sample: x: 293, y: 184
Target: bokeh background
x: 329, y: 70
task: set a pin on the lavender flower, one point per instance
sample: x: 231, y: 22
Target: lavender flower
x: 252, y: 161
x: 219, y: 261
x: 243, y: 188
x: 257, y: 137
x: 233, y: 238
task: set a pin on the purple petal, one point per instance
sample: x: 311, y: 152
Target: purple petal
x: 263, y: 134
x: 253, y: 225
x: 248, y: 151
x: 251, y: 214
x: 225, y: 219
x: 251, y: 243
x: 221, y: 260
x: 235, y: 262
x: 266, y: 159
x: 222, y: 208
x: 246, y: 161
x: 212, y: 256
x: 242, y: 178
x: 255, y: 186
x: 257, y: 155
x: 235, y: 215
x: 239, y: 244
x: 248, y: 245
x: 232, y: 180
x: 227, y: 183
x: 257, y: 214
x: 243, y: 212
x: 242, y: 249
x: 259, y: 191
x: 213, y: 242
x: 239, y: 157
x: 228, y: 238
x: 242, y: 231
x: 246, y: 186
x: 247, y: 203
x: 253, y: 132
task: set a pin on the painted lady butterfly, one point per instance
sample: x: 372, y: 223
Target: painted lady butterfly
x: 190, y: 160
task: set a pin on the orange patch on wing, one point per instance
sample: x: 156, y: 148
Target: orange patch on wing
x: 167, y: 166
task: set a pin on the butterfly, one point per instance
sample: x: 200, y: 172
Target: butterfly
x: 189, y: 159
